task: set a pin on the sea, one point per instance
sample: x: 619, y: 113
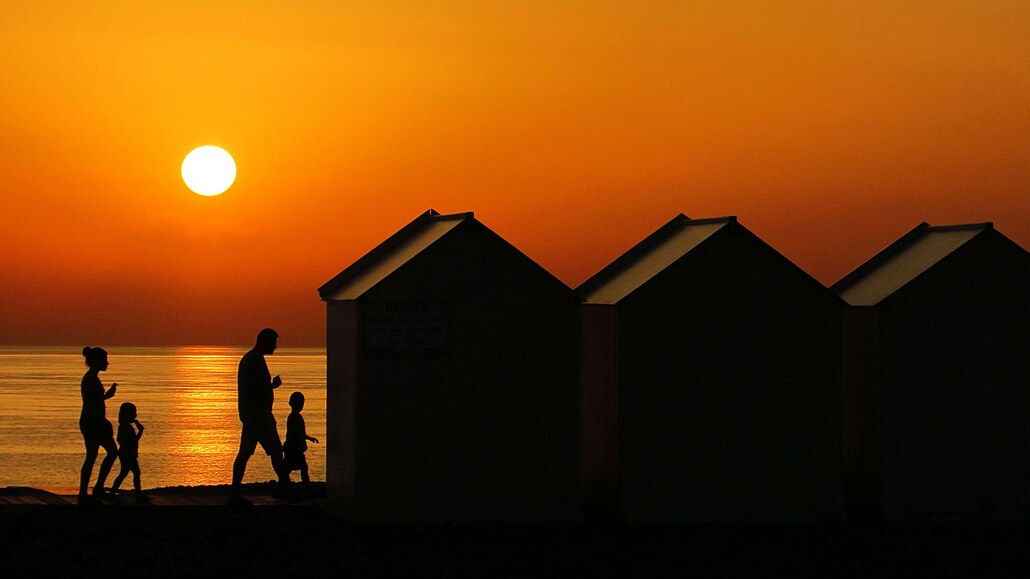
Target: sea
x: 185, y: 399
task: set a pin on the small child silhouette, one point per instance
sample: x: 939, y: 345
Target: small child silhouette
x: 128, y: 449
x: 296, y: 439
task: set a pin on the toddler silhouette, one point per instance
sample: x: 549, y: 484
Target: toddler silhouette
x: 296, y: 439
x: 128, y: 449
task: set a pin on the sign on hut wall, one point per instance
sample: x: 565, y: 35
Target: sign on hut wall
x: 405, y: 330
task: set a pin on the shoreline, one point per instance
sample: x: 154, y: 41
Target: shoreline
x: 259, y: 493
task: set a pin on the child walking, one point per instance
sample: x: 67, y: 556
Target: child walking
x: 296, y: 439
x: 128, y: 449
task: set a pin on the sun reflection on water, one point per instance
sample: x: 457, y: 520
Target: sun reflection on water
x: 203, y: 410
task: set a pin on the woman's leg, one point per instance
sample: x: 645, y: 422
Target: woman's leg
x: 105, y: 467
x: 87, y: 467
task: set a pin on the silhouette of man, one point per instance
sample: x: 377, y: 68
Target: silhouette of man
x: 255, y: 395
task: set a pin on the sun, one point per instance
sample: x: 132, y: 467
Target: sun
x: 208, y: 170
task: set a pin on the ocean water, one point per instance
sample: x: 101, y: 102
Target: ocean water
x: 186, y: 401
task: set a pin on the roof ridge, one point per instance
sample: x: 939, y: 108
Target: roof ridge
x: 879, y: 257
x: 904, y: 261
x: 397, y: 250
x: 706, y: 220
x: 634, y: 251
x: 962, y: 226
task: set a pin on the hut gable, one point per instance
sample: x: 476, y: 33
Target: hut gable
x: 904, y: 261
x: 417, y: 238
x: 649, y: 258
x: 673, y: 242
x: 391, y: 255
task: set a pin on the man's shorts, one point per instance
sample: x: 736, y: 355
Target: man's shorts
x: 260, y: 430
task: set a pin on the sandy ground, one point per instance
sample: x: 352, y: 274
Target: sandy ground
x: 307, y: 538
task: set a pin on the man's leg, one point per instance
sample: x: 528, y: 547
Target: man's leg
x: 279, y: 466
x: 273, y: 447
x: 239, y: 468
x: 248, y: 443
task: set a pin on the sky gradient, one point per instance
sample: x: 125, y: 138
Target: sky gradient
x: 572, y: 129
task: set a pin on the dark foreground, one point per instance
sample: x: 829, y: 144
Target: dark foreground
x: 306, y: 538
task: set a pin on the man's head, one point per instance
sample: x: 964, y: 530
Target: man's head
x: 267, y: 340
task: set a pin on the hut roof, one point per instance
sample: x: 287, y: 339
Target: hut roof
x: 903, y: 261
x: 649, y: 258
x: 390, y: 255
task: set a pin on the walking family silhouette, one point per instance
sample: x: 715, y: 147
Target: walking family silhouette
x: 255, y: 395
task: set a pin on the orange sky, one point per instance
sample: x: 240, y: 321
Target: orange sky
x: 572, y: 129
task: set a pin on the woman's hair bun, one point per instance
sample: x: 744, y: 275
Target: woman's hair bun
x: 94, y: 356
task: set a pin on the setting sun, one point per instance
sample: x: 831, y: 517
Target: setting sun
x: 208, y: 170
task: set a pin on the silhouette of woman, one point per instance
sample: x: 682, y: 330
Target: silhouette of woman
x: 96, y: 429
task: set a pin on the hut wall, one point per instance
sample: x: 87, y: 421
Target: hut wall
x: 863, y: 415
x: 341, y: 389
x: 483, y: 425
x: 730, y: 390
x: 955, y: 357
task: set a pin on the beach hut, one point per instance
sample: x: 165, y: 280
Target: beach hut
x: 936, y: 366
x: 711, y: 381
x: 452, y: 380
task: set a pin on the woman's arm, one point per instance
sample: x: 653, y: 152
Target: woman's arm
x: 110, y: 391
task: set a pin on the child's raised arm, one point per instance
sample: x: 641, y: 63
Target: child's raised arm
x: 140, y: 427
